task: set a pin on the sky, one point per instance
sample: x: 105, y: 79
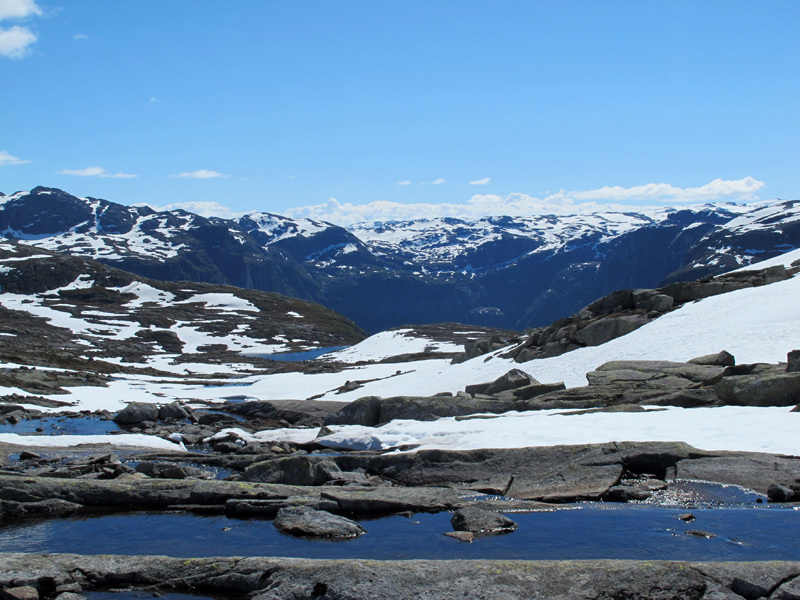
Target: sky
x: 361, y: 110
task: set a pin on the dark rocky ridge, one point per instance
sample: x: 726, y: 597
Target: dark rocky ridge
x: 32, y: 271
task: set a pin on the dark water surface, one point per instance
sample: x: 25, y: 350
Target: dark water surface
x: 298, y: 356
x: 590, y: 531
x: 62, y: 426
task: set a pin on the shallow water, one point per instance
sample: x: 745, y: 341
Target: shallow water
x: 62, y: 426
x: 589, y: 531
x: 298, y: 356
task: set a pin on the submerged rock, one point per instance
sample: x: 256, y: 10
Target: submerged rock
x: 303, y: 521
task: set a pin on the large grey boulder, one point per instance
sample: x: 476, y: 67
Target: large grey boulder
x: 479, y: 520
x: 515, y: 378
x: 136, y: 412
x: 763, y: 389
x: 720, y: 359
x: 303, y: 521
x: 293, y: 470
x: 174, y: 411
x: 603, y: 330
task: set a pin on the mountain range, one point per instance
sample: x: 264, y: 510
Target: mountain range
x: 510, y: 272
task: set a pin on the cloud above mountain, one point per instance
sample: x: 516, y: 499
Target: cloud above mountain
x: 96, y: 172
x: 609, y: 198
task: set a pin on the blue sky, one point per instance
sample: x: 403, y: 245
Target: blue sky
x: 400, y: 107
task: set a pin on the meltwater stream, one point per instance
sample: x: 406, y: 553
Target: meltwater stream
x: 588, y: 531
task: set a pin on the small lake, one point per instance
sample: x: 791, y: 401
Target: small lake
x: 299, y: 356
x: 587, y: 531
x: 83, y: 425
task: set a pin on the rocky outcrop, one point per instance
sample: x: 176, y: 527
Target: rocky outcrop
x: 302, y: 521
x: 305, y: 579
x: 620, y: 313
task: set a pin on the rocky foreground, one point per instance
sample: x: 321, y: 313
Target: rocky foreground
x: 26, y: 575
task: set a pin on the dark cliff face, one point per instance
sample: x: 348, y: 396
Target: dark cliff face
x: 493, y: 272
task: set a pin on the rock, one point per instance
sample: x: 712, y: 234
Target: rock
x: 601, y: 331
x: 26, y: 455
x: 302, y: 521
x: 789, y: 590
x: 655, y: 372
x: 721, y: 359
x: 793, y: 361
x: 226, y: 447
x: 688, y: 517
x: 537, y: 389
x: 50, y: 506
x: 461, y: 536
x: 364, y: 411
x: 269, y: 578
x: 747, y: 469
x: 515, y: 378
x: 23, y: 592
x: 782, y: 493
x: 701, y: 534
x: 70, y: 596
x: 174, y: 411
x: 267, y: 509
x: 763, y: 389
x: 626, y: 493
x: 478, y: 520
x: 207, y: 417
x: 136, y: 412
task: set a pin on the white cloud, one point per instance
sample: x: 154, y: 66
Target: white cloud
x: 96, y: 172
x: 7, y: 159
x: 439, y: 181
x: 15, y: 41
x: 484, y: 181
x: 204, y: 209
x: 742, y: 189
x: 562, y: 203
x: 18, y: 9
x: 404, y: 182
x: 200, y: 174
x: 80, y: 36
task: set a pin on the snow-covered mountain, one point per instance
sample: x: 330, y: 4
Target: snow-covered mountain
x: 511, y: 272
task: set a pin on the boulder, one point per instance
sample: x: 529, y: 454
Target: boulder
x: 479, y: 520
x: 721, y: 359
x: 303, y: 521
x: 601, y: 331
x: 136, y: 412
x: 364, y: 411
x: 174, y: 411
x: 793, y: 361
x: 781, y: 493
x: 515, y: 378
x: 22, y: 592
x: 763, y: 389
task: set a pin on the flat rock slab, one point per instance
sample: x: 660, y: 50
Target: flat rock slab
x: 280, y: 578
x: 137, y: 493
x: 751, y: 470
